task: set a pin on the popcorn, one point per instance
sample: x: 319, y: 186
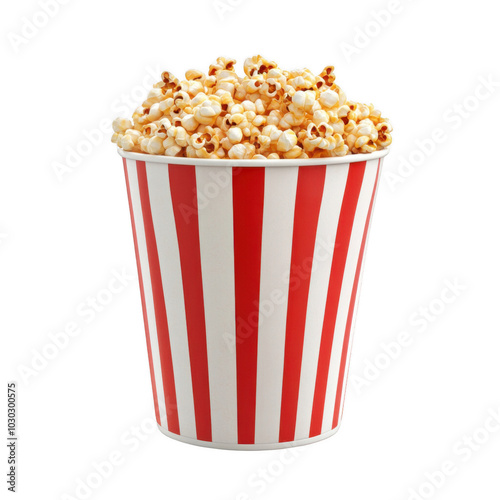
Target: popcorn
x: 362, y: 136
x: 287, y: 141
x: 155, y: 146
x: 328, y: 76
x: 304, y: 101
x: 154, y: 96
x: 384, y: 137
x: 222, y: 64
x: 182, y: 99
x: 193, y: 87
x: 208, y: 111
x: 293, y: 153
x: 189, y: 122
x: 262, y: 143
x: 271, y: 88
x: 171, y: 147
x: 273, y: 132
x: 127, y: 143
x: 179, y: 135
x: 269, y: 113
x: 235, y: 134
x: 163, y: 126
x: 237, y: 152
x: 274, y: 117
x: 254, y: 84
x: 291, y: 120
x: 169, y: 82
x: 154, y: 113
x: 121, y: 124
x: 328, y: 99
x: 258, y: 65
x: 194, y: 74
x: 150, y: 129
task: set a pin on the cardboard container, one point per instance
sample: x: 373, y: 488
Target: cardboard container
x: 249, y: 273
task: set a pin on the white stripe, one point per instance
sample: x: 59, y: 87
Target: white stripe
x: 277, y: 233
x: 215, y: 217
x: 335, y: 181
x: 148, y: 293
x: 372, y: 165
x: 345, y: 294
x: 170, y: 266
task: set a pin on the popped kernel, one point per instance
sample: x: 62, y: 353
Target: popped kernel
x: 287, y: 141
x: 120, y: 125
x: 180, y: 135
x: 127, y: 143
x: 235, y: 134
x: 237, y: 152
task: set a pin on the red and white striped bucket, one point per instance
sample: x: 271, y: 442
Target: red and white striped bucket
x: 249, y: 275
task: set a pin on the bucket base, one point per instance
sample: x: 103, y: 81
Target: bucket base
x: 260, y: 446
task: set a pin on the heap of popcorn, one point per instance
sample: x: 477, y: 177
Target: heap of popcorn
x: 269, y: 113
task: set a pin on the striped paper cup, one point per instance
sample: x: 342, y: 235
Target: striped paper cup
x: 249, y: 273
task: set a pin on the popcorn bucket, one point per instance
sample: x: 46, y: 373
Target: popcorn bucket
x: 249, y: 273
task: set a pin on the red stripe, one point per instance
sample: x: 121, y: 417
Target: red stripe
x: 248, y: 207
x: 184, y: 201
x: 310, y: 184
x: 159, y: 303
x: 345, y: 347
x: 143, y: 300
x: 342, y: 240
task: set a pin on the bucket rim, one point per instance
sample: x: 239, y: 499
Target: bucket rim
x: 337, y: 160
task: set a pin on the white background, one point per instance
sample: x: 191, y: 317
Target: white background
x: 61, y: 240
